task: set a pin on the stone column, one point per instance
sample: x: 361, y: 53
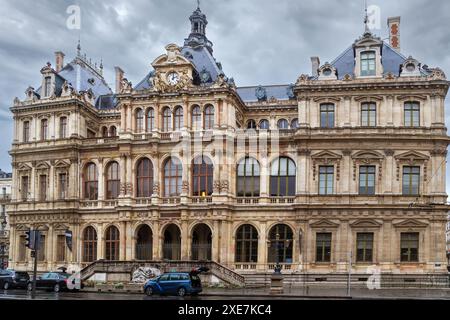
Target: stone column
x: 129, y: 176
x: 389, y: 175
x: 130, y: 241
x: 100, y: 242
x: 157, y: 240
x: 123, y: 241
x: 216, y: 242
x: 217, y: 108
x: 185, y: 239
x: 101, y: 180
x: 129, y: 119
x: 302, y: 114
x: 262, y: 247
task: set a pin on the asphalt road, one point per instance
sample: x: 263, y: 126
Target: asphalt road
x: 44, y: 295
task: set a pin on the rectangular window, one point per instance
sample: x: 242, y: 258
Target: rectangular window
x: 47, y: 86
x: 327, y: 116
x: 411, y: 181
x: 409, y: 247
x: 62, y: 127
x: 24, y: 188
x: 412, y: 114
x: 367, y: 180
x: 368, y: 65
x: 41, y: 251
x: 62, y: 185
x: 61, y: 248
x: 323, y: 247
x: 326, y: 180
x: 42, y: 188
x: 369, y: 115
x: 364, y: 247
x: 22, y: 249
x: 26, y: 131
x: 44, y: 129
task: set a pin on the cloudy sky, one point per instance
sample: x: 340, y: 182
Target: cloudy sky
x: 257, y: 41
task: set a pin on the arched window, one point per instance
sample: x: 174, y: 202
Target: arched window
x: 173, y: 171
x: 251, y: 124
x: 264, y: 124
x: 113, y: 131
x: 246, y: 244
x: 248, y: 178
x: 89, y: 245
x: 283, y: 124
x: 112, y: 242
x: 209, y: 117
x: 139, y: 120
x: 196, y: 118
x: 294, y: 124
x: 112, y: 181
x: 281, y: 240
x: 282, y: 178
x: 104, y: 132
x: 144, y: 178
x: 202, y: 177
x: 90, y: 178
x: 150, y: 120
x: 178, y: 118
x: 167, y: 120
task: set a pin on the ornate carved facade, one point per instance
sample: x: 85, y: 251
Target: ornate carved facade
x: 185, y: 165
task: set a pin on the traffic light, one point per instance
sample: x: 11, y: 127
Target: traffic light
x: 28, y: 239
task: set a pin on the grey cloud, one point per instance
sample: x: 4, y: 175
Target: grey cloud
x: 257, y: 41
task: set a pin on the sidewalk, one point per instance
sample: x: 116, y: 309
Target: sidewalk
x: 314, y: 293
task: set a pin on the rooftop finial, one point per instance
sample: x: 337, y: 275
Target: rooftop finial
x: 366, y: 18
x: 79, y: 47
x: 198, y: 4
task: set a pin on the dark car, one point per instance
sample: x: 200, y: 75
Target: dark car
x: 11, y: 279
x: 176, y: 283
x: 55, y: 281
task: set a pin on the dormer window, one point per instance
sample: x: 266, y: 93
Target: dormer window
x: 368, y: 64
x: 47, y: 86
x: 327, y: 72
x: 410, y: 67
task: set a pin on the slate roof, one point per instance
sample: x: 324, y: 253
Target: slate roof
x: 390, y: 58
x: 280, y: 92
x: 4, y: 175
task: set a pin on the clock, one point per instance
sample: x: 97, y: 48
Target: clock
x: 173, y: 78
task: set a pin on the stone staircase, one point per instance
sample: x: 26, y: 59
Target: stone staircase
x: 128, y: 267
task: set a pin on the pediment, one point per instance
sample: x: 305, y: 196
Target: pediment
x: 172, y: 57
x: 22, y: 227
x: 410, y: 223
x: 61, y: 164
x: 412, y: 155
x: 363, y: 155
x: 42, y: 166
x: 326, y: 155
x: 366, y: 223
x: 60, y: 227
x: 42, y: 227
x: 368, y: 40
x: 324, y: 224
x: 24, y: 167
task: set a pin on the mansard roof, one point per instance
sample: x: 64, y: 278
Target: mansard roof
x: 391, y: 60
x: 253, y: 93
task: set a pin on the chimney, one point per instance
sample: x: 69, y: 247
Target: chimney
x: 394, y: 32
x: 59, y: 57
x: 315, y: 62
x: 119, y: 78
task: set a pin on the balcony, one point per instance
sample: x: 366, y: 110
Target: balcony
x: 247, y: 200
x: 5, y: 197
x: 282, y: 200
x: 198, y: 200
x: 171, y: 200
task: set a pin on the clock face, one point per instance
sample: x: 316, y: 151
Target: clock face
x: 173, y: 78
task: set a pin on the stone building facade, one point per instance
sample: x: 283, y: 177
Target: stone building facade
x: 346, y: 163
x: 5, y: 198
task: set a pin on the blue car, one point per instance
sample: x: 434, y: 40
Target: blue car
x: 176, y: 283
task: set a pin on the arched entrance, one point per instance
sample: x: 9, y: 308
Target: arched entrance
x: 201, y: 243
x: 172, y: 243
x: 144, y: 243
x: 281, y: 243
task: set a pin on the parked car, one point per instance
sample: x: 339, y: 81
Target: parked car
x: 176, y: 283
x: 11, y: 279
x: 55, y: 281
